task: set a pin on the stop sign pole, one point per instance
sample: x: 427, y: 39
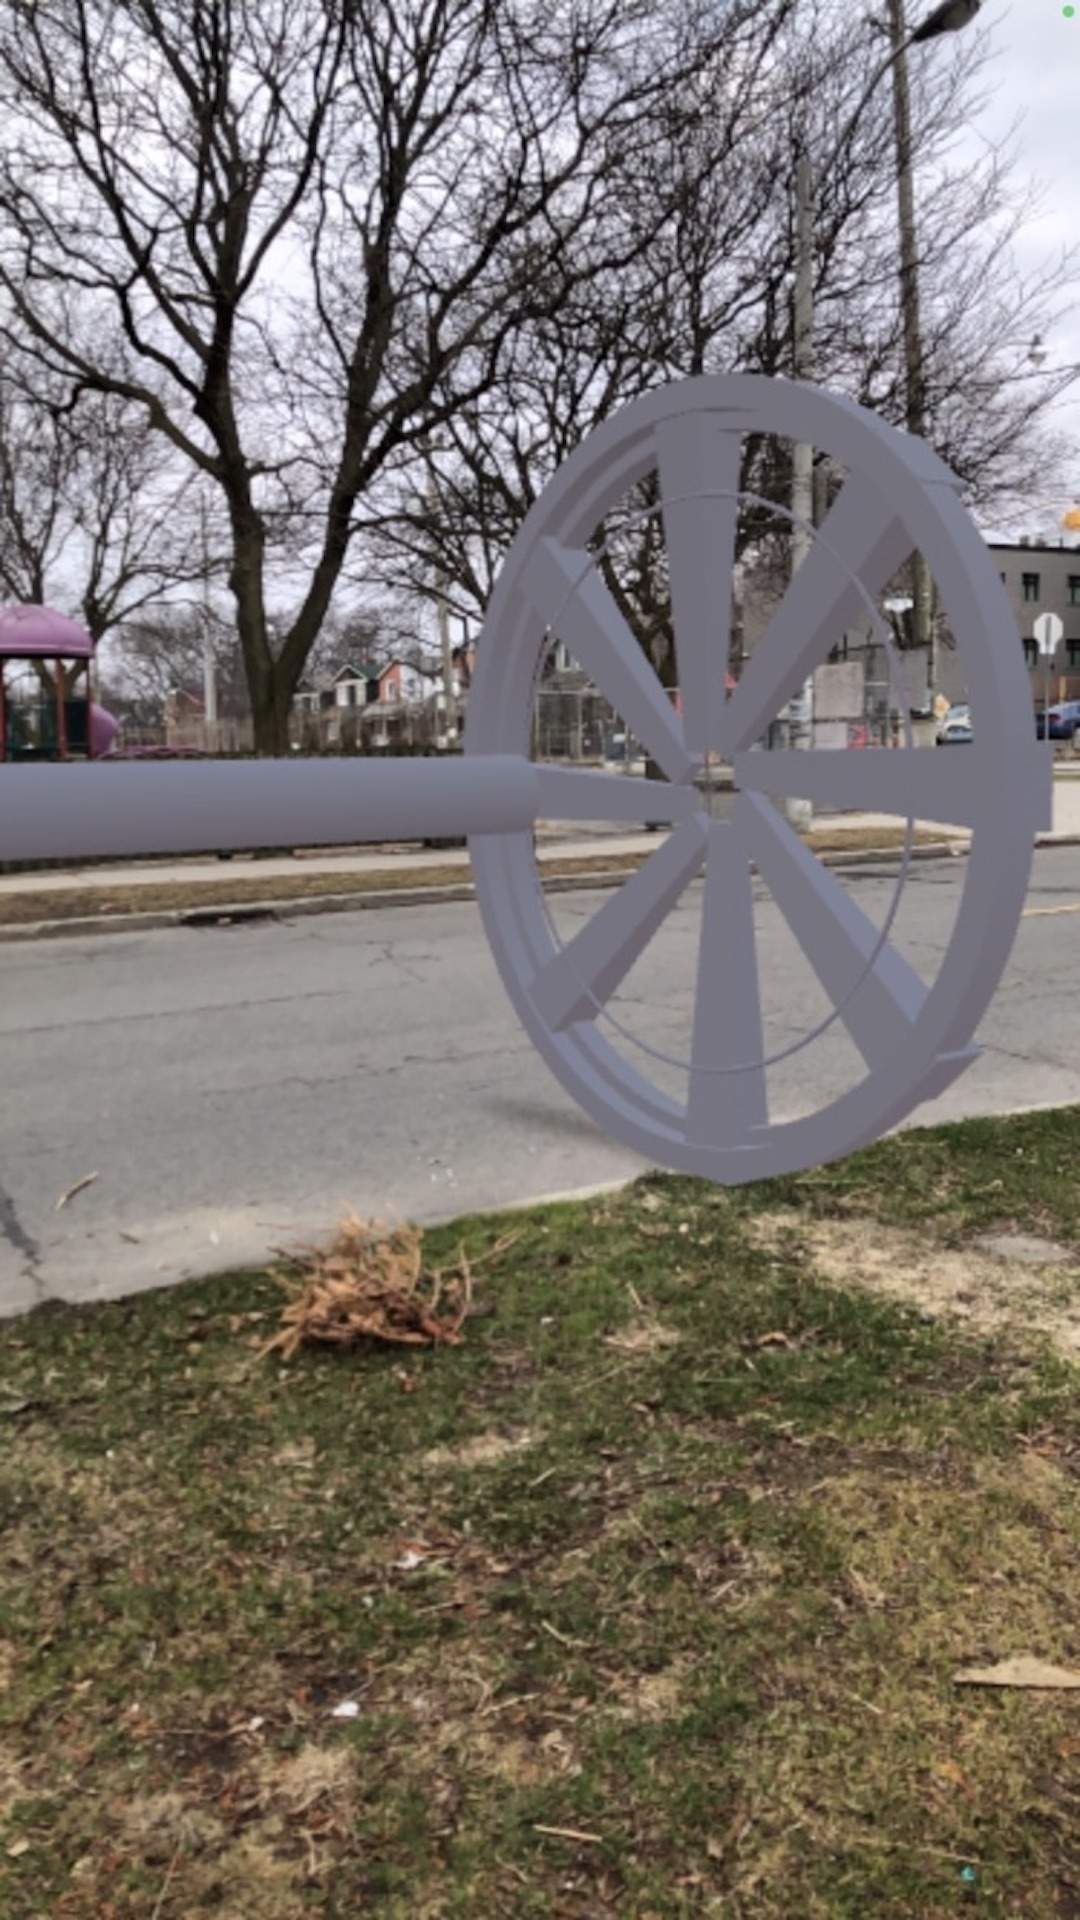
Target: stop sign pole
x: 1048, y: 632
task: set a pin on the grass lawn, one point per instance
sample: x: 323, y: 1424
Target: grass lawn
x: 648, y: 1597
x: 74, y: 902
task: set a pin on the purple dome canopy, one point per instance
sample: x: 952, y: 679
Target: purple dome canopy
x: 29, y: 630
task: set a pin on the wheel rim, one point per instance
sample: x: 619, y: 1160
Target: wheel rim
x: 914, y: 1039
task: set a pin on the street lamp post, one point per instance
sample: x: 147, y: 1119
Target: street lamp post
x: 915, y: 410
x: 949, y: 17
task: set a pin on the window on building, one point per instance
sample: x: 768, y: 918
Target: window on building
x: 1074, y: 589
x: 1074, y: 652
x: 1031, y: 652
x: 1031, y: 586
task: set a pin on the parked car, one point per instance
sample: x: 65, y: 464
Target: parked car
x: 955, y: 726
x: 955, y: 729
x: 1064, y: 721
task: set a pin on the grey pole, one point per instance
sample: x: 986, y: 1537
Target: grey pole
x: 799, y: 811
x: 915, y: 412
x: 944, y: 19
x: 442, y: 610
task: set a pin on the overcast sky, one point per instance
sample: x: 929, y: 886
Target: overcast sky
x: 1035, y: 73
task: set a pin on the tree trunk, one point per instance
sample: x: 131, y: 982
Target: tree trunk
x: 271, y: 703
x: 270, y: 698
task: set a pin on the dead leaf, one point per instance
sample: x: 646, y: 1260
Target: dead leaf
x: 11, y: 1404
x: 370, y: 1284
x: 952, y: 1775
x: 1024, y: 1670
x: 648, y: 1337
x: 295, y: 1453
x: 86, y: 1181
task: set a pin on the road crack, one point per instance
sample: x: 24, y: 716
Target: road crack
x: 15, y: 1234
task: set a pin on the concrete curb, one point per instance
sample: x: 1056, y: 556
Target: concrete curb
x: 423, y: 896
x: 249, y: 910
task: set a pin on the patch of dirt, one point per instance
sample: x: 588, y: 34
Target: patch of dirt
x: 506, y: 1753
x: 484, y: 1450
x: 987, y: 1291
x: 645, y: 1336
x: 159, y: 1824
x: 651, y: 1697
x: 314, y: 1776
x: 525, y: 1762
x: 1030, y: 1249
x: 256, y: 1879
x: 13, y: 1784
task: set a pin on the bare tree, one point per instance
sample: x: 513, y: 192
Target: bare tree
x: 164, y: 650
x: 90, y: 515
x: 713, y: 293
x: 299, y: 236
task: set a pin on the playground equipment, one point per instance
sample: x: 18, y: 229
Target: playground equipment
x: 39, y: 721
x: 914, y: 1039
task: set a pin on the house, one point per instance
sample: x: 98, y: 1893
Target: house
x: 353, y: 685
x: 402, y: 684
x: 186, y: 724
x: 183, y: 705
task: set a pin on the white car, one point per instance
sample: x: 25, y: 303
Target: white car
x: 955, y: 729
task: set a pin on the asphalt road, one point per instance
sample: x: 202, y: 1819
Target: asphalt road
x: 235, y: 1089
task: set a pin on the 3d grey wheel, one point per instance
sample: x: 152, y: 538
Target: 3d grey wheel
x: 913, y: 1039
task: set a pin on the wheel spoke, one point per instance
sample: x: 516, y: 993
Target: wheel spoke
x: 924, y: 784
x: 820, y: 603
x: 723, y: 1107
x: 596, y: 633
x: 697, y: 457
x: 579, y: 980
x: 836, y: 937
x: 571, y: 793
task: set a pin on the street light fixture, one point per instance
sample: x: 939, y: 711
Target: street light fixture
x: 948, y: 18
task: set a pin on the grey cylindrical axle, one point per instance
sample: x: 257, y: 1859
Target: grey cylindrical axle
x: 134, y: 808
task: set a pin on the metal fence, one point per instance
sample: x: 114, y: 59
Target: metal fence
x: 575, y: 725
x: 580, y: 726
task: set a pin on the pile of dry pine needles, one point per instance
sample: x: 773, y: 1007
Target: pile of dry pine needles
x: 371, y: 1284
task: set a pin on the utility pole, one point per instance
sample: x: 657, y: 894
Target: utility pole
x: 210, y: 712
x: 443, y: 615
x: 915, y: 370
x: 950, y: 17
x: 442, y: 610
x: 800, y: 812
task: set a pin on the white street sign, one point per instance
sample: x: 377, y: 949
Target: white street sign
x: 1048, y: 632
